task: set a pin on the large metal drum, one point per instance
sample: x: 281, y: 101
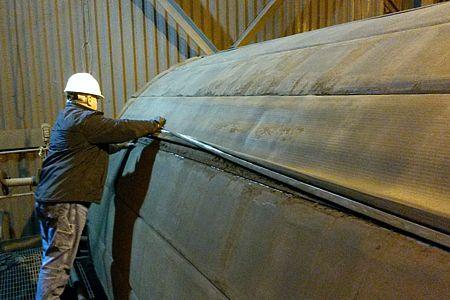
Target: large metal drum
x: 360, y: 111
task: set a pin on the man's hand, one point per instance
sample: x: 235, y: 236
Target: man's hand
x: 161, y: 122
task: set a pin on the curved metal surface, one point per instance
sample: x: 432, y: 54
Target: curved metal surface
x: 404, y: 53
x: 275, y: 173
x: 176, y: 223
x: 390, y: 149
x: 360, y: 111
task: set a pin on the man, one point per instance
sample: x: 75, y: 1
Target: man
x: 73, y: 175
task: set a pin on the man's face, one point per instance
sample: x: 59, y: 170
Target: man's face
x: 89, y: 100
x: 93, y: 102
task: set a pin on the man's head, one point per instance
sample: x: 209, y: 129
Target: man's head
x: 83, y: 89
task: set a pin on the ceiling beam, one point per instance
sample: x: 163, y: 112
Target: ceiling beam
x: 186, y: 23
x: 259, y: 22
x: 390, y: 6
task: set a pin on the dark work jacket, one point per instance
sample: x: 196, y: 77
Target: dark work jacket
x: 76, y: 165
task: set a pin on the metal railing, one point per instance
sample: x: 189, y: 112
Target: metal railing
x: 15, y: 151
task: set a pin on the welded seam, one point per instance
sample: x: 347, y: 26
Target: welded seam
x: 159, y: 234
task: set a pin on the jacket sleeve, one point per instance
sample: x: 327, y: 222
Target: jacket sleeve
x: 101, y: 130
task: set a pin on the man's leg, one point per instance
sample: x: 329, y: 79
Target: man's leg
x: 61, y: 226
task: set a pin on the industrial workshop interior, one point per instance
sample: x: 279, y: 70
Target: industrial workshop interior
x: 225, y: 149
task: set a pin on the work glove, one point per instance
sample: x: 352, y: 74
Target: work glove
x: 161, y: 122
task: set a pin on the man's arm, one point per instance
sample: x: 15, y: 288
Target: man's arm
x: 101, y: 130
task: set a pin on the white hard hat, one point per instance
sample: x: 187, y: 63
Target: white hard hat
x: 83, y: 83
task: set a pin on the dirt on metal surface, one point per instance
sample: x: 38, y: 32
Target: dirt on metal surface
x: 215, y: 234
x: 176, y: 222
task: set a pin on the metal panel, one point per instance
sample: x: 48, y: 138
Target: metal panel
x: 343, y: 144
x: 186, y: 281
x: 250, y: 100
x: 323, y: 69
x: 254, y: 241
x: 249, y: 240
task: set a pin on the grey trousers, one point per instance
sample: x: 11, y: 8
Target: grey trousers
x: 61, y: 225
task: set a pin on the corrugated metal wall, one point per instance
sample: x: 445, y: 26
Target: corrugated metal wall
x: 224, y: 21
x: 124, y: 44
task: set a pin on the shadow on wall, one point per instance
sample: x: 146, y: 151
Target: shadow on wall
x: 131, y: 189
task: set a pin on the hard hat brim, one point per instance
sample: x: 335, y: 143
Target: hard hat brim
x: 95, y: 95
